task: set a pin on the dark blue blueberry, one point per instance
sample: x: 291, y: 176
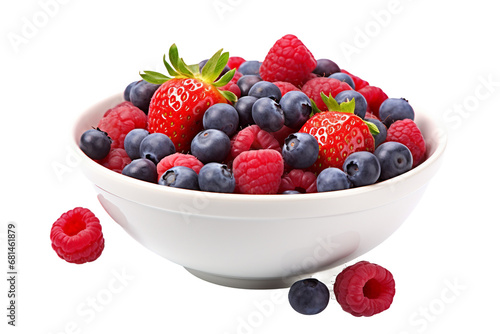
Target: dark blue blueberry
x: 95, y: 143
x: 296, y: 107
x: 267, y: 114
x: 156, y: 146
x: 141, y: 94
x: 326, y: 67
x: 142, y: 169
x: 216, y: 177
x: 309, y: 296
x: 265, y: 89
x: 180, y: 177
x: 362, y: 168
x: 244, y: 108
x: 132, y: 142
x: 395, y: 159
x: 360, y: 104
x: 382, y: 131
x: 250, y: 67
x: 331, y: 178
x: 246, y: 82
x: 222, y: 116
x: 394, y: 109
x: 345, y: 78
x: 300, y: 150
x: 126, y: 92
x: 211, y: 145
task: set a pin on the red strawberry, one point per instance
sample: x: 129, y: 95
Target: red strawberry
x: 339, y: 133
x: 288, y: 60
x: 177, y: 107
x: 329, y: 86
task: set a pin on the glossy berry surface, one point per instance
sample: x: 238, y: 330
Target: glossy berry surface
x: 250, y: 67
x: 141, y: 169
x: 222, y: 116
x: 156, y: 146
x: 325, y: 67
x: 180, y: 177
x: 95, y: 144
x: 132, y: 142
x: 267, y: 114
x: 216, y: 177
x: 296, y: 107
x: 211, y: 145
x: 331, y: 179
x: 308, y: 296
x: 141, y: 94
x: 393, y: 109
x: 362, y: 168
x: 300, y: 150
x: 395, y: 159
x: 265, y: 89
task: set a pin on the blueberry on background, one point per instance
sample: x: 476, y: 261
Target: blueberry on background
x: 325, y: 67
x: 345, y: 78
x: 156, y: 146
x: 265, y: 89
x: 210, y: 145
x: 216, y: 177
x: 250, y: 67
x: 332, y: 178
x: 296, y: 108
x: 360, y: 104
x: 300, y: 150
x: 362, y: 168
x: 132, y: 142
x: 382, y: 131
x: 126, y: 92
x: 95, y: 143
x: 309, y: 296
x: 395, y: 159
x: 268, y: 115
x: 180, y: 177
x: 246, y: 82
x: 244, y: 108
x: 394, y: 109
x: 141, y: 94
x: 142, y: 169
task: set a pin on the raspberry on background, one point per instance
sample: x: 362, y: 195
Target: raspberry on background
x: 300, y: 180
x: 235, y: 62
x: 407, y: 133
x: 76, y: 236
x: 358, y: 82
x: 285, y: 87
x: 253, y: 138
x: 374, y: 97
x: 178, y: 159
x: 116, y: 160
x: 313, y: 88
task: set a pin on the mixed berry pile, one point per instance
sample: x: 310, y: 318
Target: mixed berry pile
x: 288, y: 124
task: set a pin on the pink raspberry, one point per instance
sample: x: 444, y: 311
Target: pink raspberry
x: 258, y: 171
x: 235, y: 62
x: 300, y: 180
x: 120, y: 120
x: 364, y: 289
x: 253, y: 138
x: 285, y: 87
x: 116, y: 160
x: 282, y: 133
x: 407, y: 133
x: 374, y: 97
x: 314, y: 87
x: 178, y: 159
x: 288, y: 60
x: 358, y: 82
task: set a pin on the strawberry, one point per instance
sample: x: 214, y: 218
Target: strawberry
x: 339, y: 133
x: 178, y: 105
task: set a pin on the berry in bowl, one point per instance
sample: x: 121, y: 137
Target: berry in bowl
x: 256, y: 180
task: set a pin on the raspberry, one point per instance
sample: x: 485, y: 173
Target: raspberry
x: 235, y: 62
x: 374, y: 97
x: 178, y: 159
x: 288, y: 60
x: 285, y: 87
x: 364, y: 289
x: 358, y: 82
x: 77, y: 236
x: 314, y: 87
x: 300, y: 180
x: 282, y: 133
x: 116, y: 160
x: 258, y: 171
x: 253, y: 138
x: 407, y: 133
x: 120, y: 120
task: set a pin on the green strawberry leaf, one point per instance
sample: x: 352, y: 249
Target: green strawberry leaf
x: 315, y: 109
x: 184, y: 69
x: 170, y: 70
x: 173, y: 56
x: 373, y: 128
x: 154, y: 77
x: 230, y: 96
x: 224, y: 80
x: 221, y: 63
x: 330, y: 102
x: 348, y: 107
x: 208, y: 72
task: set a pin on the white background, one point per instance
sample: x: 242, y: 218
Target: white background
x: 58, y: 57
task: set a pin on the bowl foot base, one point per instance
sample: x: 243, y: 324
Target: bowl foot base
x: 245, y: 283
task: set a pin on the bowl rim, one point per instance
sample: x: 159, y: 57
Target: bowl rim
x: 109, y: 179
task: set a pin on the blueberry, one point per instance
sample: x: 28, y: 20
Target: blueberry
x: 345, y: 78
x: 250, y: 67
x: 216, y: 177
x: 156, y: 146
x: 394, y: 109
x: 395, y: 159
x: 382, y: 131
x: 325, y: 67
x: 244, y: 108
x: 265, y: 89
x: 296, y: 108
x: 332, y: 178
x: 309, y: 296
x: 95, y: 143
x: 300, y: 150
x: 221, y: 116
x: 360, y: 104
x: 126, y: 92
x: 362, y: 168
x: 246, y: 82
x: 141, y: 94
x: 180, y: 177
x: 142, y: 169
x: 133, y: 141
x: 211, y: 145
x: 267, y: 114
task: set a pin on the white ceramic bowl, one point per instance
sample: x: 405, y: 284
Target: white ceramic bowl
x: 258, y: 241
